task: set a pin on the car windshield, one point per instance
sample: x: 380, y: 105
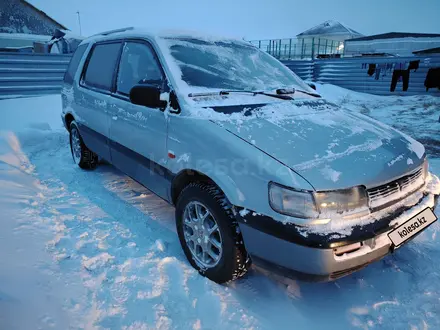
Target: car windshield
x: 231, y: 65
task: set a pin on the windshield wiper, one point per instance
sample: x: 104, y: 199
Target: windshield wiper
x: 227, y: 92
x: 284, y: 91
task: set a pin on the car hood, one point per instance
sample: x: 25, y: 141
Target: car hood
x: 329, y: 147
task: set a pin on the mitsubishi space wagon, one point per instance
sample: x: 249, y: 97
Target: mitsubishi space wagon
x: 260, y: 168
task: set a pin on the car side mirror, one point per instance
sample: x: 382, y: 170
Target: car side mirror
x: 147, y: 95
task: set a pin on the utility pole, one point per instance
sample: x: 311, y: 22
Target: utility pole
x: 79, y: 22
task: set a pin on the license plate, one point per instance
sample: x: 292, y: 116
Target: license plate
x: 412, y: 227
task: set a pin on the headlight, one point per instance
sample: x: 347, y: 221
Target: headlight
x: 291, y: 202
x: 425, y: 169
x: 341, y: 201
x: 310, y: 205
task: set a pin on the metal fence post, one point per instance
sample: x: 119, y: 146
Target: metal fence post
x: 319, y: 45
x: 290, y: 47
x: 279, y: 50
x: 302, y: 48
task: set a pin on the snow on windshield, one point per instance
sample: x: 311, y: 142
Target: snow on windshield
x: 227, y: 64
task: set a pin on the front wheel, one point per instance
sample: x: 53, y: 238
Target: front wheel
x: 82, y: 156
x: 208, y: 233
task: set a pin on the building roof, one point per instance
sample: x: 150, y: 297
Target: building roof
x: 394, y: 35
x: 43, y: 14
x: 435, y: 50
x: 330, y: 28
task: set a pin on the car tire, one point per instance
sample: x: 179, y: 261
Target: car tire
x: 82, y: 156
x: 233, y: 261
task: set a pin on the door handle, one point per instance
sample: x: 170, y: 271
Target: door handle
x: 115, y: 117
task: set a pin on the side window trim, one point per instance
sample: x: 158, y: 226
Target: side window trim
x: 116, y: 73
x: 78, y: 65
x: 164, y: 87
x: 82, y: 64
x: 87, y: 61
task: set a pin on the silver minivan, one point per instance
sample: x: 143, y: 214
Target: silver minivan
x: 260, y: 168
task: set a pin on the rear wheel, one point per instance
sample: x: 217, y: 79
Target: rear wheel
x: 208, y: 233
x: 82, y: 156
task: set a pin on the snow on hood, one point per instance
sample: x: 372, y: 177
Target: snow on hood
x: 329, y: 147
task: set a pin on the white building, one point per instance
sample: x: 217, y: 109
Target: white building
x: 326, y: 38
x: 330, y: 30
x: 395, y: 43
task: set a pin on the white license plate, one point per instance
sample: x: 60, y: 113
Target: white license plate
x: 412, y: 227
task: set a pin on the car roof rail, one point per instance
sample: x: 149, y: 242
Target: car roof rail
x: 106, y: 33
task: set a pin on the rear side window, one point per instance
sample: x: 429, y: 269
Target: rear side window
x: 73, y: 65
x: 138, y: 66
x: 101, y: 66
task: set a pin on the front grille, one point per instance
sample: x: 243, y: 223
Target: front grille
x: 394, y: 191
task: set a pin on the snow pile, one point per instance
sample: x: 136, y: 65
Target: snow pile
x: 99, y: 261
x: 330, y: 173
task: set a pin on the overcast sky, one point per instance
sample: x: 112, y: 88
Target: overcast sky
x: 251, y: 19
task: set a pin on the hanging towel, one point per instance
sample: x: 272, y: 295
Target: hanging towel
x: 400, y: 66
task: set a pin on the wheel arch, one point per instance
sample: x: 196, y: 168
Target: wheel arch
x: 187, y: 176
x: 68, y: 118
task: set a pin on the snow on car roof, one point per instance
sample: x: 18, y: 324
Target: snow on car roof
x: 153, y: 33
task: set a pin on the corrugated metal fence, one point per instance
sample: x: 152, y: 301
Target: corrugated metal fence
x: 371, y: 74
x: 31, y: 74
x: 35, y: 74
x: 303, y: 68
x: 376, y: 75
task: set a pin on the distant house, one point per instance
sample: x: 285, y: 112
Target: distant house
x: 21, y: 24
x: 330, y: 30
x: 326, y: 38
x: 395, y: 43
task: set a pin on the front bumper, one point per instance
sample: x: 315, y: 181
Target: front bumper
x: 285, y: 248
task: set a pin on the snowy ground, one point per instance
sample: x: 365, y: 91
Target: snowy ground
x: 83, y: 249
